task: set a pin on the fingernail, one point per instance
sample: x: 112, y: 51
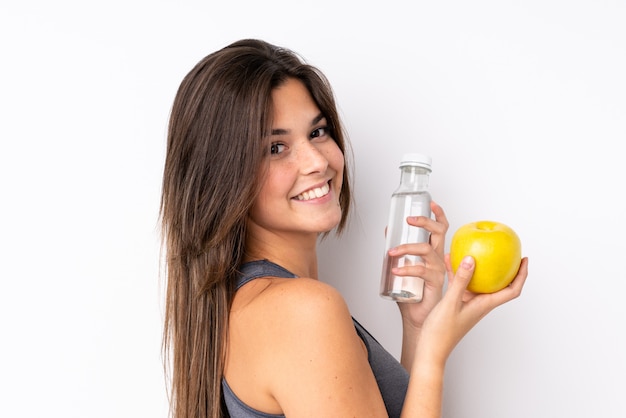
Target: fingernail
x: 467, y: 262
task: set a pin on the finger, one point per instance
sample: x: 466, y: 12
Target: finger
x: 436, y: 229
x: 424, y: 251
x: 458, y: 281
x: 440, y: 215
x: 420, y: 248
x: 431, y: 225
x: 414, y: 270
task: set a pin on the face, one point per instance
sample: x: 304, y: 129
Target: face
x: 300, y: 193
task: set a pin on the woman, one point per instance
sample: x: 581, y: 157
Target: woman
x: 254, y: 174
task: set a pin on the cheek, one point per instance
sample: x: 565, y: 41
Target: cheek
x: 336, y: 159
x: 263, y: 199
x: 277, y: 183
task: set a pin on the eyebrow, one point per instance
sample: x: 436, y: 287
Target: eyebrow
x: 286, y: 131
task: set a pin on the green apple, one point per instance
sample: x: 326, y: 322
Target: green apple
x: 497, y: 250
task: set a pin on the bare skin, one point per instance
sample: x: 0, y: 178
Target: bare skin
x: 292, y: 346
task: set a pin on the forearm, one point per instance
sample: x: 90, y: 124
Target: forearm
x: 425, y: 390
x: 410, y: 339
x: 425, y: 361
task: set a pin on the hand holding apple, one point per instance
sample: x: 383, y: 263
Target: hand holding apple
x: 497, y: 251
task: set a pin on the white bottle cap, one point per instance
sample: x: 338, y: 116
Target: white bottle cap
x: 416, y: 160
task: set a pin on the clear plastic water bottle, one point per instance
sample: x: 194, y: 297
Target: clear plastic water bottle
x: 411, y: 198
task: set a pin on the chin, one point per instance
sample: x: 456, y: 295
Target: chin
x: 332, y: 225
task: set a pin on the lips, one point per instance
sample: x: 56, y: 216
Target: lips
x: 314, y: 193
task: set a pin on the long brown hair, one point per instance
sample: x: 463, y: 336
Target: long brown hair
x: 216, y: 149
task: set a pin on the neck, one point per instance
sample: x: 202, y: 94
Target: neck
x: 298, y: 254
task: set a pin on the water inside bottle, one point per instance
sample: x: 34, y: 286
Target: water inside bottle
x: 404, y: 288
x: 401, y: 288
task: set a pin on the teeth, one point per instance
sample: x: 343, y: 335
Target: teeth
x: 314, y: 193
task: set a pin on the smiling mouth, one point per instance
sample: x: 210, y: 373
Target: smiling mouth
x: 314, y: 193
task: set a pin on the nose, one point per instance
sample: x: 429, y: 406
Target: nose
x: 312, y: 160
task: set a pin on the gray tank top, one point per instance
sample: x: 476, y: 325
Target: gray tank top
x: 391, y: 377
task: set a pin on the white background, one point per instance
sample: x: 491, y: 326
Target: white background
x: 521, y: 104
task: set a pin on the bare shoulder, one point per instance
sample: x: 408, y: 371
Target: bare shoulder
x: 298, y: 334
x: 278, y: 311
x: 307, y: 300
x: 273, y: 296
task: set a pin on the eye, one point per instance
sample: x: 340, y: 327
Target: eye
x: 276, y: 148
x: 320, y: 132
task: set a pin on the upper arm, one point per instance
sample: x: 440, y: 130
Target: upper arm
x: 317, y: 362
